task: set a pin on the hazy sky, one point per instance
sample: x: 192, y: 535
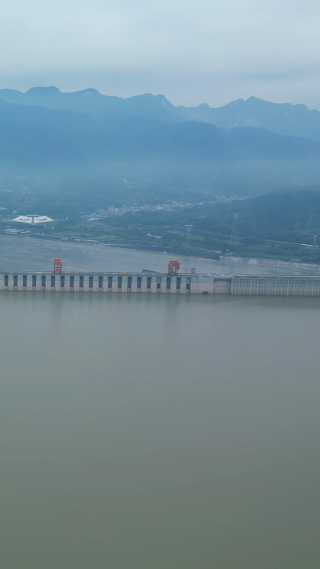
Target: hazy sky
x: 191, y: 51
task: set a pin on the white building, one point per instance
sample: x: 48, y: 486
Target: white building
x: 33, y: 219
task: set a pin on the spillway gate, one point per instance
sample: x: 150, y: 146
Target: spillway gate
x: 249, y: 285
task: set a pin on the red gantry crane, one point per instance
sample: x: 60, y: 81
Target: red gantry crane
x: 57, y: 267
x: 173, y: 268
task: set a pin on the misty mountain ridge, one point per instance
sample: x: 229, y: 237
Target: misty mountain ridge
x: 39, y: 142
x: 93, y: 103
x: 31, y: 129
x: 285, y: 119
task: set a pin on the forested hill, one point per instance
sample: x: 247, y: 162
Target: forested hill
x: 285, y: 119
x: 28, y: 131
x: 281, y: 225
x: 291, y: 215
x: 37, y: 143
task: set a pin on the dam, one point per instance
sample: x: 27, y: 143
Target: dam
x: 170, y: 282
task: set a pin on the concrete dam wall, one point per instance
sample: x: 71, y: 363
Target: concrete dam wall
x: 275, y: 286
x: 113, y: 282
x: 160, y: 283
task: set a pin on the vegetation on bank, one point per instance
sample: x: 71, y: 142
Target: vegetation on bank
x: 279, y: 225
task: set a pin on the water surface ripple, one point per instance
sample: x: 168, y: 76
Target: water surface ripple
x: 159, y: 431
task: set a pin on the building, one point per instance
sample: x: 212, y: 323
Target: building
x: 33, y: 219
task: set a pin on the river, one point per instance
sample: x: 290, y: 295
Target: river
x: 156, y: 431
x: 30, y: 254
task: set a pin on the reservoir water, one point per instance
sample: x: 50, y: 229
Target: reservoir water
x: 19, y: 254
x: 152, y: 432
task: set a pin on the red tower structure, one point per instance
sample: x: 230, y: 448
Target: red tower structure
x: 173, y: 268
x: 57, y: 267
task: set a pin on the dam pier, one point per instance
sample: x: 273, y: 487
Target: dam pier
x: 171, y: 282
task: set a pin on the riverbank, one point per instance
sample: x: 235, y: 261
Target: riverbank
x: 174, y: 251
x: 29, y: 254
x: 268, y: 262
x: 123, y: 245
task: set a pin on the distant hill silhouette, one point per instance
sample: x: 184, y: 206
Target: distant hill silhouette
x: 37, y: 142
x: 28, y: 130
x: 285, y: 119
x: 91, y: 102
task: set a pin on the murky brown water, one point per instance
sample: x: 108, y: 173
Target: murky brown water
x: 159, y: 432
x: 20, y: 254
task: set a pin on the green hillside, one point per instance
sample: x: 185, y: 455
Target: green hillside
x: 280, y: 225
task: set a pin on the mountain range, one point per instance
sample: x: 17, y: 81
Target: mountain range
x: 248, y: 146
x: 285, y: 119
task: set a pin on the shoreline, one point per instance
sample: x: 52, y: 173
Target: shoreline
x: 267, y: 262
x: 225, y: 259
x: 126, y: 245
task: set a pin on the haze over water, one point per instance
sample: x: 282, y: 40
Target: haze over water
x: 157, y: 431
x: 29, y: 254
